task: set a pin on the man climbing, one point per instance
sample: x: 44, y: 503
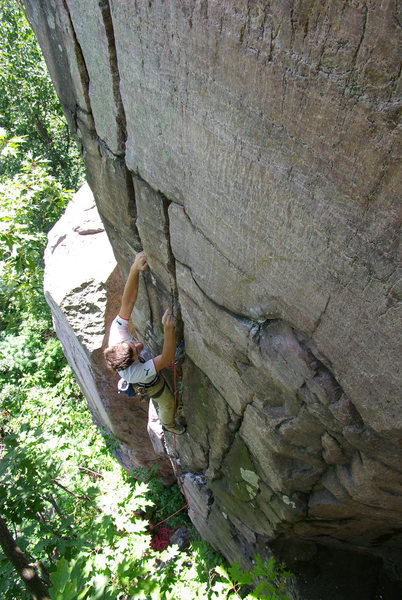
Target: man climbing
x: 133, y: 362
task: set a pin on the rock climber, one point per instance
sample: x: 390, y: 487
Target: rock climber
x: 133, y: 362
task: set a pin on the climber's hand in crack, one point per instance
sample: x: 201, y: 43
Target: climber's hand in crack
x: 140, y: 262
x: 168, y: 319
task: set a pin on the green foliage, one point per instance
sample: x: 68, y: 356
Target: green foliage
x: 266, y: 581
x: 29, y: 107
x: 267, y: 578
x: 32, y: 357
x: 165, y: 501
x: 9, y: 148
x: 30, y: 203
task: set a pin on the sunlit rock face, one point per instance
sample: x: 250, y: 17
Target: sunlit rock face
x: 83, y: 288
x: 251, y: 148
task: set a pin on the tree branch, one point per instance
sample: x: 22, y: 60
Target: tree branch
x: 69, y: 491
x: 31, y: 579
x: 92, y: 472
x: 43, y: 132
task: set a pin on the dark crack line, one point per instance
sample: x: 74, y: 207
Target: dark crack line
x: 111, y: 226
x: 232, y: 314
x: 114, y: 69
x: 84, y: 75
x: 205, y: 237
x: 233, y: 436
x: 316, y: 326
x: 355, y: 56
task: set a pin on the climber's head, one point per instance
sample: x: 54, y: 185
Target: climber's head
x: 120, y: 356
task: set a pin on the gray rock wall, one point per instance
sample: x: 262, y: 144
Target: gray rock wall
x: 252, y: 149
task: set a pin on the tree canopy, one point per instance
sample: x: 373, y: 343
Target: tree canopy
x: 29, y: 107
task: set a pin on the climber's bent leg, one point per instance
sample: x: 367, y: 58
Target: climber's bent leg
x: 161, y: 394
x: 165, y: 403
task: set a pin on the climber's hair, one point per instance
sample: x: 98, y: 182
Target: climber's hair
x: 119, y: 356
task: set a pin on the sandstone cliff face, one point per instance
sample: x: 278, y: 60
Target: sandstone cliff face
x: 251, y: 148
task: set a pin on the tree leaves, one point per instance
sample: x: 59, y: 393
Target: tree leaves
x: 29, y: 205
x: 267, y: 580
x: 29, y: 107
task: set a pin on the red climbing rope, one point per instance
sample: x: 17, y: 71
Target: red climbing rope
x: 174, y: 435
x: 173, y: 366
x: 169, y: 517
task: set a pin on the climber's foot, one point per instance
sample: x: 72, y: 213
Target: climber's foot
x: 177, y: 429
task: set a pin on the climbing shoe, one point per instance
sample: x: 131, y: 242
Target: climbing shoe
x: 177, y: 429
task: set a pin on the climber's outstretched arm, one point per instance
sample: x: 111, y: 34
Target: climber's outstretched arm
x: 131, y: 287
x: 169, y: 342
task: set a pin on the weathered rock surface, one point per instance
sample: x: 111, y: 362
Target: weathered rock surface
x: 252, y: 149
x: 83, y: 288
